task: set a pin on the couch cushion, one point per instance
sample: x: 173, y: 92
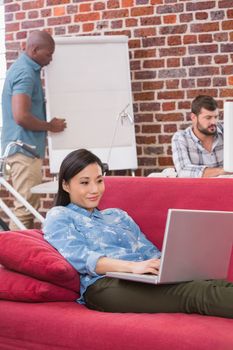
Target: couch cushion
x: 18, y: 287
x: 31, y: 255
x: 31, y: 233
x: 71, y: 326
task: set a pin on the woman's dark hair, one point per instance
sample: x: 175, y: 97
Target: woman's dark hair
x: 73, y: 163
x: 203, y: 101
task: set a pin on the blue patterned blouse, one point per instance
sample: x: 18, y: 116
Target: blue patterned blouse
x: 82, y: 237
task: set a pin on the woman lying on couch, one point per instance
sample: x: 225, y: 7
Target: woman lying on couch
x: 95, y: 242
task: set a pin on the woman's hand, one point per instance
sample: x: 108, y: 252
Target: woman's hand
x: 105, y: 264
x: 147, y: 266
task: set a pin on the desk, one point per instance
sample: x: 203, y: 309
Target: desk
x: 46, y: 187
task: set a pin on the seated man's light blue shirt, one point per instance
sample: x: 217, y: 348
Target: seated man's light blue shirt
x: 82, y: 237
x: 23, y: 77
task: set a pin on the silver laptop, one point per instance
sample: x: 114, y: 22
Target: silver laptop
x: 197, y: 245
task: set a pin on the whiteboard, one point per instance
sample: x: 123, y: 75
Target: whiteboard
x: 88, y: 84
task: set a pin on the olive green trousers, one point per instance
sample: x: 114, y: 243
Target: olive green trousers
x: 212, y: 297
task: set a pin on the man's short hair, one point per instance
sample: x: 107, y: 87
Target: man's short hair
x: 203, y: 101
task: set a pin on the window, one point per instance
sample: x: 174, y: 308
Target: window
x: 2, y: 55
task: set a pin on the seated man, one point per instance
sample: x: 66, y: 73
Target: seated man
x: 198, y: 150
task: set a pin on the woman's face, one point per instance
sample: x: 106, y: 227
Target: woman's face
x: 87, y: 187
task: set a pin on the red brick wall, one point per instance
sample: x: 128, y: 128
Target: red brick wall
x: 177, y: 48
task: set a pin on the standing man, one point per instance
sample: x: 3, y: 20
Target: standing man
x: 198, y: 150
x: 23, y: 110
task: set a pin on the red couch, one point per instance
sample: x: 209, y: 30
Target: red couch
x: 67, y: 325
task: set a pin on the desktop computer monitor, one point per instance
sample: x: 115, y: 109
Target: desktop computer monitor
x: 228, y: 136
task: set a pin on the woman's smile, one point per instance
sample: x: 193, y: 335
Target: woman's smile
x: 93, y: 198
